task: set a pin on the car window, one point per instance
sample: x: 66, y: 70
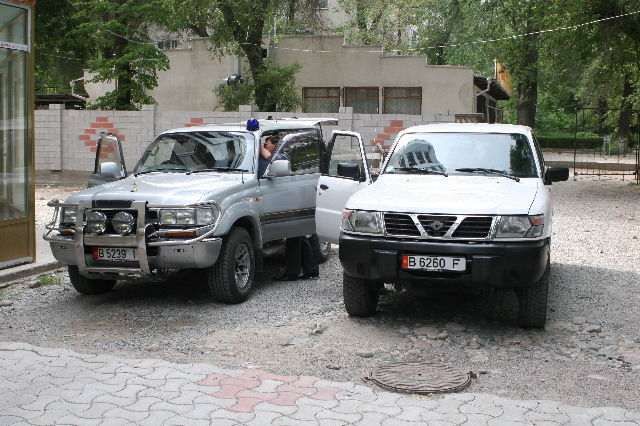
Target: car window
x: 536, y: 145
x: 197, y: 150
x: 446, y: 152
x: 345, y: 149
x: 302, y: 150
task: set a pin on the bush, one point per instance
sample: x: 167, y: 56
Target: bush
x: 570, y: 142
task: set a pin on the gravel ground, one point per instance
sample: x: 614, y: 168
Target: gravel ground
x: 589, y: 355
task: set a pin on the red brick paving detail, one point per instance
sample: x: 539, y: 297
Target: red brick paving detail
x: 102, y: 119
x: 396, y: 123
x: 90, y: 131
x: 242, y: 388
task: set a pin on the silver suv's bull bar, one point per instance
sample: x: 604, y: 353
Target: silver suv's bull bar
x: 205, y: 246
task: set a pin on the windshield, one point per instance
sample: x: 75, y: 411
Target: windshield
x: 192, y: 151
x: 445, y: 152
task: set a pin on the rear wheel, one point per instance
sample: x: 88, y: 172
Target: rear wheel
x: 532, y: 312
x: 360, y: 296
x: 230, y: 280
x: 86, y: 285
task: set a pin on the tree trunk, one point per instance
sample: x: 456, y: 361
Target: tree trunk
x: 624, y: 121
x: 528, y: 85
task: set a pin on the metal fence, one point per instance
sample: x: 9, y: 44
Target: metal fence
x: 605, y: 156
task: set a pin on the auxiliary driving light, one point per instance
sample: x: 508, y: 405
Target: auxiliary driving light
x: 97, y: 222
x: 123, y: 223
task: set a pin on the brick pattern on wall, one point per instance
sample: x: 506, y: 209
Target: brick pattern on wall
x: 66, y: 139
x: 90, y: 135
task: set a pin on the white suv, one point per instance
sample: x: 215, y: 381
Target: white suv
x: 453, y: 203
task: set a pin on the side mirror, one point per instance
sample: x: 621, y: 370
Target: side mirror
x: 110, y: 170
x: 349, y: 170
x: 556, y: 174
x: 279, y: 168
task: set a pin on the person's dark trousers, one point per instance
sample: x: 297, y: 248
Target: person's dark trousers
x: 310, y: 266
x: 293, y: 257
x: 299, y: 254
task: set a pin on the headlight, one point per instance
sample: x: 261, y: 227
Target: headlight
x: 68, y: 215
x: 362, y: 221
x: 520, y: 226
x: 189, y: 216
x: 123, y: 222
x: 97, y: 222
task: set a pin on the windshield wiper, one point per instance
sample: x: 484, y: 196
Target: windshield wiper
x: 181, y: 169
x: 422, y: 171
x: 490, y: 171
x: 217, y: 169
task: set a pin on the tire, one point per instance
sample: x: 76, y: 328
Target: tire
x: 532, y: 312
x: 230, y: 280
x: 322, y: 249
x: 88, y: 286
x: 360, y: 296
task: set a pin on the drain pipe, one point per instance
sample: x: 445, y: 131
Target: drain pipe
x: 485, y: 112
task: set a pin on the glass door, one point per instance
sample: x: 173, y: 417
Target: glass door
x: 16, y: 222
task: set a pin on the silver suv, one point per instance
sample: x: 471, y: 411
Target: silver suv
x: 193, y: 201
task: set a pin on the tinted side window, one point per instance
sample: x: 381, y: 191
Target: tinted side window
x: 536, y: 144
x: 302, y: 150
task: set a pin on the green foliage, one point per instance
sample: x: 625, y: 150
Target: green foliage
x: 570, y: 142
x: 231, y: 97
x: 49, y: 279
x: 276, y: 81
x: 119, y: 31
x: 60, y: 52
x: 279, y: 84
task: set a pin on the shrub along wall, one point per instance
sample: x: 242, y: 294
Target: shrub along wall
x: 570, y: 142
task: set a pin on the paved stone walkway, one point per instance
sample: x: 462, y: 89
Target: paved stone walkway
x: 57, y: 386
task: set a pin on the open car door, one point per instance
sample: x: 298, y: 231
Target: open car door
x: 109, y: 163
x: 345, y: 171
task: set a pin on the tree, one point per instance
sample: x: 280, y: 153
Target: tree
x: 60, y: 53
x: 125, y: 54
x: 238, y: 27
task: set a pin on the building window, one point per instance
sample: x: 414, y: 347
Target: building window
x: 323, y: 4
x: 364, y: 100
x: 402, y: 100
x: 167, y: 44
x: 321, y: 99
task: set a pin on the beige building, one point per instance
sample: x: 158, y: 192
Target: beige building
x: 333, y: 75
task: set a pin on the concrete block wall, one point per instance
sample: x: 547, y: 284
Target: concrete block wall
x: 66, y: 139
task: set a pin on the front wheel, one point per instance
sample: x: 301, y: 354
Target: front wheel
x: 360, y: 296
x: 532, y: 312
x: 86, y: 285
x: 231, y: 278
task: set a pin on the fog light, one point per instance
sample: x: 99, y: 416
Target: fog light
x: 96, y: 222
x: 123, y: 223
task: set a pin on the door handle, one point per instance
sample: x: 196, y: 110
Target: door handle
x: 323, y: 186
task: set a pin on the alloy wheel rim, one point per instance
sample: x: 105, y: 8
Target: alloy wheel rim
x: 242, y: 266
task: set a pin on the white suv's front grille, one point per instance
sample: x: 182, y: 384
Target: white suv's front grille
x: 438, y: 226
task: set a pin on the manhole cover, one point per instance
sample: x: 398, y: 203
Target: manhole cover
x: 420, y: 377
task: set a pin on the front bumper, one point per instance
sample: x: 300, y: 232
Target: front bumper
x: 200, y: 252
x: 490, y: 264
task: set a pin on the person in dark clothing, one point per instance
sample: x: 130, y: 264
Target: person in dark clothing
x: 266, y: 151
x: 300, y: 260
